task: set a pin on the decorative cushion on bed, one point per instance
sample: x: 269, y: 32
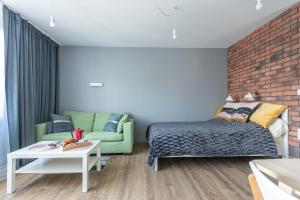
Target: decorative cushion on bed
x: 218, y: 111
x: 278, y: 128
x: 247, y: 108
x: 239, y: 112
x: 267, y: 113
x: 228, y: 110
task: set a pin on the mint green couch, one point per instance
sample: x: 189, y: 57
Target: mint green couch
x: 92, y: 124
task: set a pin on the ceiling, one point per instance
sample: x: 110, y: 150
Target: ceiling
x: 139, y: 23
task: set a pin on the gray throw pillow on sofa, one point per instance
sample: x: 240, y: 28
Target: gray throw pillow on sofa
x: 60, y: 123
x: 113, y: 121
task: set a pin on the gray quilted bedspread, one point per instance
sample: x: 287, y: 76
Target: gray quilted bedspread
x: 209, y: 138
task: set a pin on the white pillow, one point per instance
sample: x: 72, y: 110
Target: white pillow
x: 278, y: 128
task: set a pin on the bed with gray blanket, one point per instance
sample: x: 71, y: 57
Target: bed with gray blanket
x: 208, y: 138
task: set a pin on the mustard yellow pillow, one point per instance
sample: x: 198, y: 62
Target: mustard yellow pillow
x: 218, y: 111
x: 267, y: 113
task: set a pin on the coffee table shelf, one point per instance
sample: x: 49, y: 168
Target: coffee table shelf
x: 56, y: 166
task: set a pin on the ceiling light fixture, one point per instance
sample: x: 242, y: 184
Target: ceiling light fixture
x: 259, y: 5
x: 173, y: 14
x: 52, y: 22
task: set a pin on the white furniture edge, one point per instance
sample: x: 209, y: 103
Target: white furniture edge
x: 74, y: 153
x: 270, y: 190
x: 282, y: 146
x: 37, y: 166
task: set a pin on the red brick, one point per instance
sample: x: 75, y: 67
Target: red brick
x: 297, y: 119
x: 289, y: 93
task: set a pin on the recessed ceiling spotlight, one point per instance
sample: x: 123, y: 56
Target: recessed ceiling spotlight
x: 52, y: 22
x: 259, y: 5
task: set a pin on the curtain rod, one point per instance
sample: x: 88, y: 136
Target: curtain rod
x: 38, y: 28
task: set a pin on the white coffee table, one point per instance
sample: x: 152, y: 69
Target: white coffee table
x: 54, y: 161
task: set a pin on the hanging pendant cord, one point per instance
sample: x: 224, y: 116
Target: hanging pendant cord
x: 174, y: 17
x: 162, y: 12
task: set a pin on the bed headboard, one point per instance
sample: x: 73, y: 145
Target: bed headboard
x: 282, y: 142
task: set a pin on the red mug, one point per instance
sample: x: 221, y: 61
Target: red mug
x: 78, y: 134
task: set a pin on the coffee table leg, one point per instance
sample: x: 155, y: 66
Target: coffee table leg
x: 85, y: 174
x: 11, y: 176
x: 99, y: 159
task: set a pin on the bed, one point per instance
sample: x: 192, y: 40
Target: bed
x: 213, y: 138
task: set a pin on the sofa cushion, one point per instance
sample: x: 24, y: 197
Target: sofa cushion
x: 100, y: 120
x: 112, y: 123
x: 83, y: 120
x: 57, y: 136
x: 104, y: 136
x: 121, y: 123
x: 60, y: 123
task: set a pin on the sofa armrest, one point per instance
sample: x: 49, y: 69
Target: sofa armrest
x: 128, y: 133
x: 40, y: 131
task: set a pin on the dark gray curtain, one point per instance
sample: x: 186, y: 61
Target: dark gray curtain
x: 31, y: 83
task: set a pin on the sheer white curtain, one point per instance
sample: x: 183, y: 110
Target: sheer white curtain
x: 4, y: 137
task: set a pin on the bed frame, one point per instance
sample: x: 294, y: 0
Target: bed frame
x: 282, y: 144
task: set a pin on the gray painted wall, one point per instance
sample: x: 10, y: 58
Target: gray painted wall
x: 152, y: 84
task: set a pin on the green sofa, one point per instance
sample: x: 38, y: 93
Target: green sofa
x: 92, y: 124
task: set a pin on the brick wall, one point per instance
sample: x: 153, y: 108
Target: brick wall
x: 268, y: 61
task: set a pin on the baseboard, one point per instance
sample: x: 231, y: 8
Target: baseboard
x: 2, y: 173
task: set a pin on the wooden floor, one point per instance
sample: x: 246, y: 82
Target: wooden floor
x: 129, y: 177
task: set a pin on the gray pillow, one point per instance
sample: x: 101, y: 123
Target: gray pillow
x: 113, y: 121
x: 60, y: 123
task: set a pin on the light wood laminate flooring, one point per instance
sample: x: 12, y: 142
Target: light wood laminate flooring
x: 128, y: 177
